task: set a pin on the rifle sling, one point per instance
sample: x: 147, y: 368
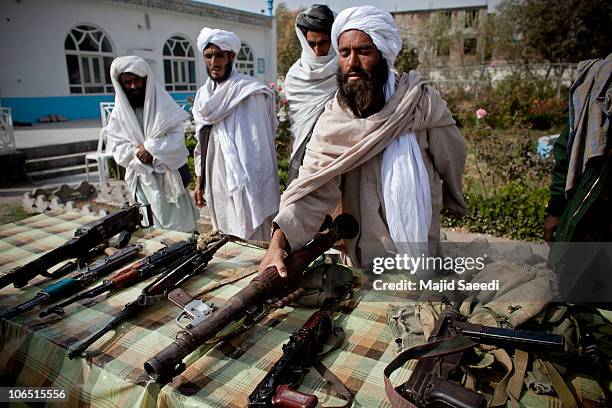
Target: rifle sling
x: 445, y: 346
x: 335, y: 382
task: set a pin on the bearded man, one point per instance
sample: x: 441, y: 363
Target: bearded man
x: 311, y: 81
x: 146, y: 135
x: 235, y: 158
x: 386, y: 145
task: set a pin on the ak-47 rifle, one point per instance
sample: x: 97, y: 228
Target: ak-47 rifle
x: 144, y: 269
x: 85, y: 238
x: 69, y: 286
x: 249, y: 304
x: 304, y: 349
x: 157, y: 291
x: 434, y: 382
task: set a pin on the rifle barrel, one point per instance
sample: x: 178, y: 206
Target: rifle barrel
x: 129, y: 310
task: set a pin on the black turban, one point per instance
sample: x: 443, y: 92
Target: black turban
x: 317, y: 18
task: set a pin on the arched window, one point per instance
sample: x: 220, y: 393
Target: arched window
x: 245, y: 61
x: 179, y: 64
x: 89, y: 54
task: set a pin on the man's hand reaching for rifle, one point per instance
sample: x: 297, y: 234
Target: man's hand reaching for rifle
x: 277, y: 251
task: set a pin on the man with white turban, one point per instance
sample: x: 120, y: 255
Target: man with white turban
x: 235, y: 158
x: 146, y: 135
x: 386, y: 145
x: 311, y: 81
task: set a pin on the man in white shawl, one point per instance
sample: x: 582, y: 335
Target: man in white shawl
x: 386, y: 145
x: 146, y: 136
x: 311, y: 81
x: 235, y: 158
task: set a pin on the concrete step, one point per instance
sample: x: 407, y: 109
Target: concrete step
x: 62, y: 171
x: 60, y: 149
x: 55, y: 162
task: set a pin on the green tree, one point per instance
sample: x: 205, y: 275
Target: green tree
x: 558, y: 31
x: 287, y: 44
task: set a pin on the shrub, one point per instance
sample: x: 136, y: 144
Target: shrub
x: 517, y: 211
x: 283, y: 174
x: 519, y: 101
x: 498, y: 157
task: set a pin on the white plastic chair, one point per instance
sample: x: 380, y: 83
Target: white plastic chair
x: 100, y: 156
x: 7, y: 136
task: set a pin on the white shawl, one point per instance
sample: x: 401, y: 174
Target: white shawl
x: 405, y: 183
x: 161, y: 116
x: 309, y: 84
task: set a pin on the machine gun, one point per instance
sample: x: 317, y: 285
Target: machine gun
x: 434, y: 382
x: 249, y: 304
x: 85, y: 238
x: 186, y: 267
x: 149, y: 266
x: 304, y: 349
x: 69, y: 286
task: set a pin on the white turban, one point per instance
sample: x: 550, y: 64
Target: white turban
x: 226, y: 40
x: 381, y: 28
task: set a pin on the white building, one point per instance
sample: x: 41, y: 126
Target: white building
x: 56, y: 54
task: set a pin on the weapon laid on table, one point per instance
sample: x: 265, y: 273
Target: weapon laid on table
x: 144, y: 269
x: 85, y: 238
x: 69, y: 286
x: 157, y: 291
x: 435, y: 381
x: 249, y: 304
x: 304, y: 350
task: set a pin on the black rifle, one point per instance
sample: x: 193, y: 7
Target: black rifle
x: 304, y: 349
x: 434, y: 382
x: 85, y: 238
x: 157, y: 290
x: 69, y: 286
x: 250, y: 303
x: 144, y: 269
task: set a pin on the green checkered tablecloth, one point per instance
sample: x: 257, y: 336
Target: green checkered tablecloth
x: 33, y: 350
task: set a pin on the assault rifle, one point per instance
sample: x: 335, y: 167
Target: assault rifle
x: 157, y: 291
x: 85, y: 238
x: 69, y: 286
x: 144, y: 269
x: 304, y: 349
x: 435, y: 380
x: 249, y: 304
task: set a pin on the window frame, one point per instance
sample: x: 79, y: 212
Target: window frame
x: 179, y: 65
x: 247, y: 65
x: 89, y: 57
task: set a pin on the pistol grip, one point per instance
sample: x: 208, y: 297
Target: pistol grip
x: 285, y: 397
x: 454, y: 395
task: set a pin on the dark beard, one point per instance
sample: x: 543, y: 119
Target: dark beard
x: 363, y: 96
x: 228, y: 71
x: 136, y: 98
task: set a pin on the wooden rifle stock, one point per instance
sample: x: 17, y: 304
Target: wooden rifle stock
x: 266, y: 286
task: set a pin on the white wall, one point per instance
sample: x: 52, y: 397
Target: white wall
x: 32, y: 34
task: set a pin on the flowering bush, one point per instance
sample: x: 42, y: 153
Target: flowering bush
x: 481, y: 113
x: 283, y: 134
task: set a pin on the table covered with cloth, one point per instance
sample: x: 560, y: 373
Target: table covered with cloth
x: 33, y: 350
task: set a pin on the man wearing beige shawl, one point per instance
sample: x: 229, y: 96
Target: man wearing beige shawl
x: 386, y: 145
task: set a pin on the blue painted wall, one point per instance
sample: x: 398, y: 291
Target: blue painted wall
x: 72, y: 107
